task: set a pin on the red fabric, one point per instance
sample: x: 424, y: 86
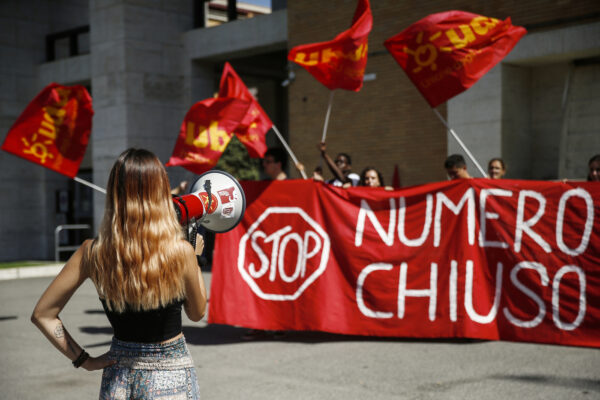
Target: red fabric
x: 308, y: 256
x: 253, y: 129
x: 54, y: 129
x: 339, y: 63
x: 446, y: 53
x: 205, y: 132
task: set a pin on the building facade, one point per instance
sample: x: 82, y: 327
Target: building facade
x: 146, y: 62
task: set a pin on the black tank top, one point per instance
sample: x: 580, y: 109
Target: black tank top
x: 149, y: 326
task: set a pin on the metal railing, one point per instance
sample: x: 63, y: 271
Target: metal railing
x: 57, y: 247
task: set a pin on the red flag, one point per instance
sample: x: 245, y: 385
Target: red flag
x: 444, y: 54
x: 205, y: 132
x: 253, y: 128
x: 54, y: 129
x: 339, y: 63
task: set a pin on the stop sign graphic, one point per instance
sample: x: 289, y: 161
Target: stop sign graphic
x: 283, y: 252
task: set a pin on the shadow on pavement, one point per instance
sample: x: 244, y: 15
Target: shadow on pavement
x: 101, y: 344
x: 8, y: 317
x: 96, y: 311
x: 215, y: 334
x: 553, y: 380
x: 96, y: 330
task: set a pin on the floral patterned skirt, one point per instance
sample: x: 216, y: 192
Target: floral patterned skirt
x: 150, y: 371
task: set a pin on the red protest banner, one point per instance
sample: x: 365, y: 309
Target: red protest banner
x: 446, y: 53
x: 253, y: 128
x: 339, y: 63
x: 477, y: 258
x: 205, y: 133
x: 54, y: 129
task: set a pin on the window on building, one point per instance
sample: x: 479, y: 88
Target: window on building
x: 209, y: 13
x: 69, y: 43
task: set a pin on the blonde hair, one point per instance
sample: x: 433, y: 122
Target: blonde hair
x: 137, y: 260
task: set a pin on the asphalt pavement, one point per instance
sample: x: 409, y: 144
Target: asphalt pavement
x: 302, y: 365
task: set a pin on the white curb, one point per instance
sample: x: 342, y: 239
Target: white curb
x: 30, y: 272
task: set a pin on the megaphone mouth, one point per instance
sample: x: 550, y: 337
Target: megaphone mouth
x: 216, y: 200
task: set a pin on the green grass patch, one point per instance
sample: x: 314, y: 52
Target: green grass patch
x: 18, y: 264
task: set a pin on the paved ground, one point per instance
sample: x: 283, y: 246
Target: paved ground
x: 300, y: 366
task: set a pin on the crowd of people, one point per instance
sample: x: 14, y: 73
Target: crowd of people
x: 275, y: 162
x: 456, y: 168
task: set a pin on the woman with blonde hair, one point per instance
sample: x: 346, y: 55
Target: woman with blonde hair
x: 143, y: 271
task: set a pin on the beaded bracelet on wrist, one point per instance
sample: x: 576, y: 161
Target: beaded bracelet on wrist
x: 83, y: 356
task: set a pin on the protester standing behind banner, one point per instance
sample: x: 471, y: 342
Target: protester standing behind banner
x: 341, y: 168
x: 371, y: 177
x: 456, y: 167
x: 274, y: 164
x: 144, y: 271
x: 496, y: 168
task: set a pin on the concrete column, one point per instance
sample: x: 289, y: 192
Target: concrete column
x: 517, y: 139
x: 23, y: 221
x: 137, y: 80
x: 580, y: 137
x: 547, y: 84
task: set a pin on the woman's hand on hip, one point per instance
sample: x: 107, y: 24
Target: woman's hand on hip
x: 101, y: 362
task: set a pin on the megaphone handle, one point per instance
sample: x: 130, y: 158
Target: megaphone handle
x: 192, y: 235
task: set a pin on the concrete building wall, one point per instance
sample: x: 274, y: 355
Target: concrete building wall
x: 580, y: 134
x: 546, y: 91
x: 28, y: 203
x: 514, y: 129
x: 138, y: 80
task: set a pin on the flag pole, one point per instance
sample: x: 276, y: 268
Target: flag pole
x: 460, y: 143
x: 327, y: 116
x: 290, y: 152
x: 86, y: 183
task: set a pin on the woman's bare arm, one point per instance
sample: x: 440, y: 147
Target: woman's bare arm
x: 45, y: 315
x: 331, y: 164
